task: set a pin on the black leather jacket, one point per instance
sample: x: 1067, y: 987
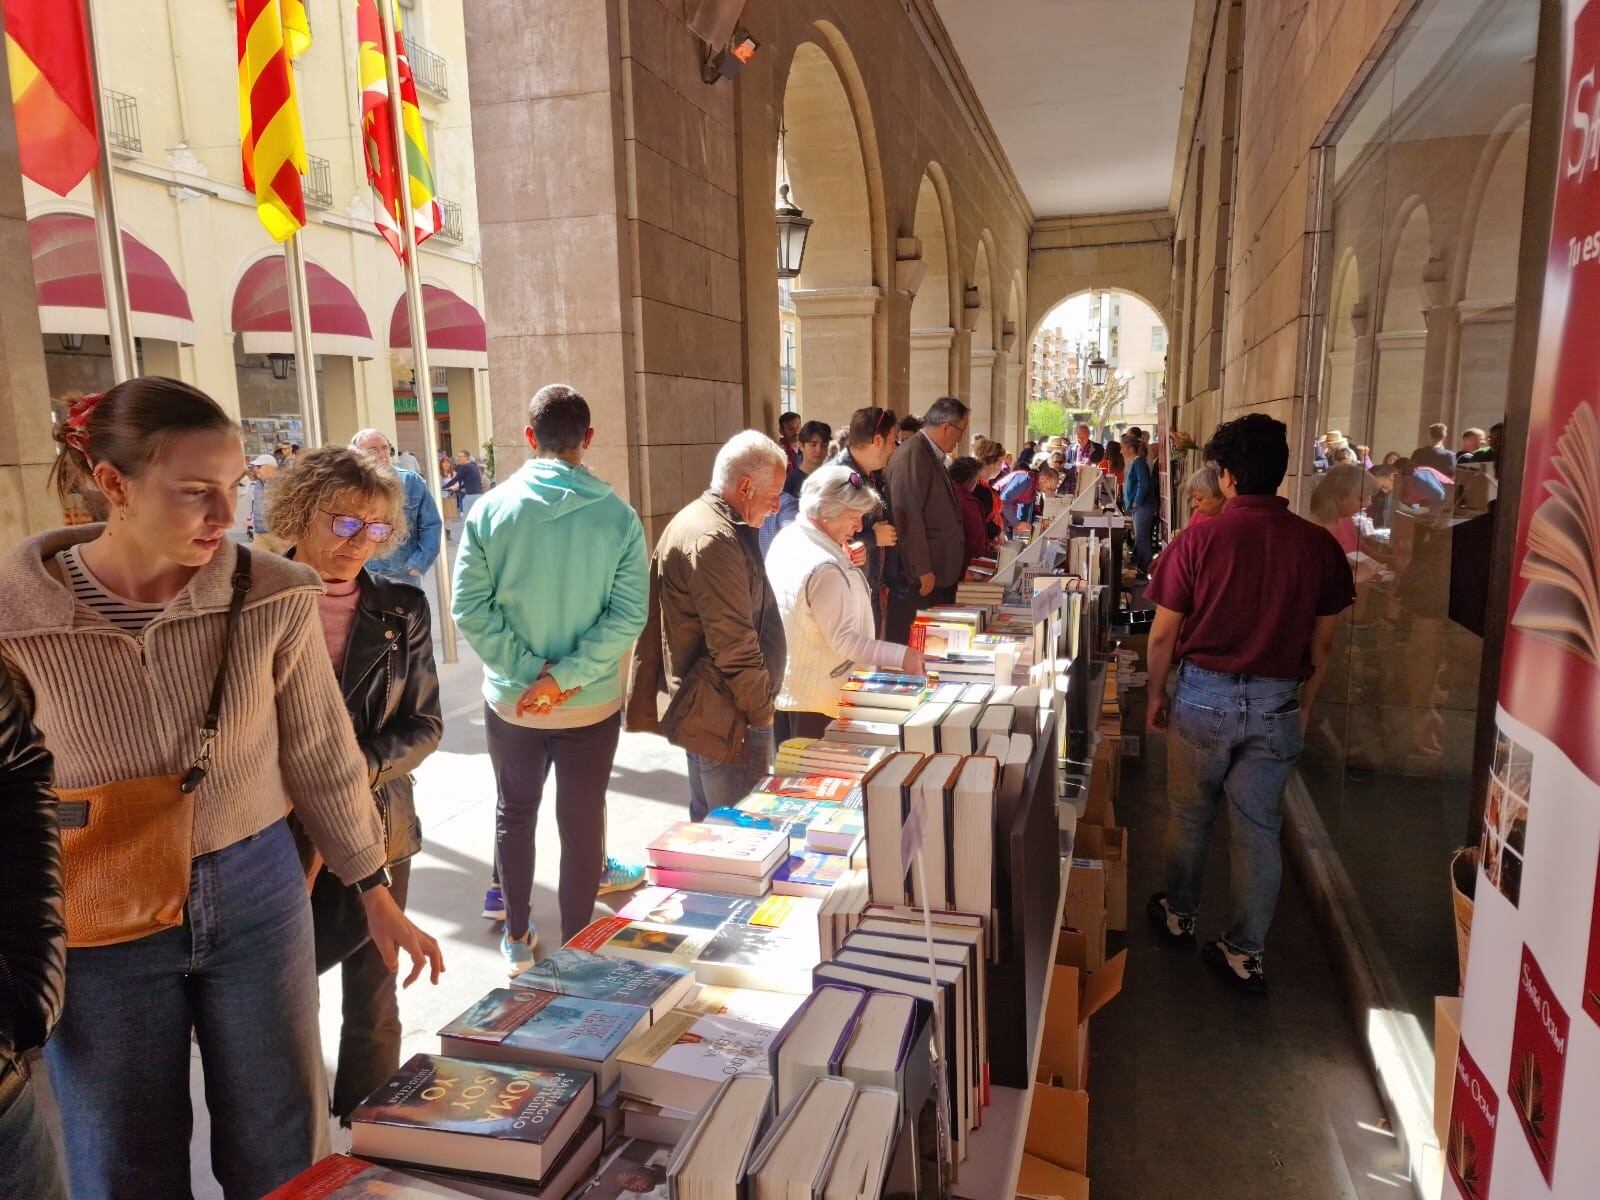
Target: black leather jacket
x: 33, y: 932
x: 392, y: 691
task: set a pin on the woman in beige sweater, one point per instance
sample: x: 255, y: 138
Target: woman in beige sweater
x: 114, y: 634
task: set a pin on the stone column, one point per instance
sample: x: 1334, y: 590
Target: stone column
x: 983, y: 412
x: 930, y: 366
x: 464, y: 431
x: 27, y: 450
x: 1013, y: 417
x: 341, y: 414
x: 836, y: 326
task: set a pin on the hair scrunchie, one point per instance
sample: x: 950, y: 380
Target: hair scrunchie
x: 78, y: 417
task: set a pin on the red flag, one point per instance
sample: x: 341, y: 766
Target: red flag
x: 52, y: 91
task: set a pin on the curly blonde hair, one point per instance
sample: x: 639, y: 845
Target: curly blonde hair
x: 321, y: 477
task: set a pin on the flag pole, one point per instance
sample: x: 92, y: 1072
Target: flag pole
x: 305, y: 363
x: 422, y: 379
x: 107, y: 229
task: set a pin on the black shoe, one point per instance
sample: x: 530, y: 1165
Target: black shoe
x: 1240, y: 969
x: 1175, y: 928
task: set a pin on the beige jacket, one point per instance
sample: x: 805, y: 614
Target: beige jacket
x: 114, y: 706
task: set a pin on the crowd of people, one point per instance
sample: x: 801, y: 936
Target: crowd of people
x: 262, y: 704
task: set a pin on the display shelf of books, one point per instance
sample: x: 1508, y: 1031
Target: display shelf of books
x: 838, y: 984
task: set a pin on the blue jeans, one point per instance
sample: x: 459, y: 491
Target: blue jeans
x: 241, y: 972
x: 715, y: 784
x: 1144, y: 532
x: 1237, y: 738
x: 28, y: 1166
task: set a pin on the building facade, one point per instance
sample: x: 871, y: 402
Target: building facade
x: 207, y: 284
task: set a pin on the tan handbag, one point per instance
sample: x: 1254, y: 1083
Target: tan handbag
x: 127, y: 846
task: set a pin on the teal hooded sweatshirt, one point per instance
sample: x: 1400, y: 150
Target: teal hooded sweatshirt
x: 552, y: 572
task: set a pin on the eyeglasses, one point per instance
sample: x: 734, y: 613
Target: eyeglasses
x: 883, y: 423
x: 347, y: 527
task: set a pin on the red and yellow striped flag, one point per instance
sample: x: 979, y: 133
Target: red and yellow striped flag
x: 271, y: 32
x: 378, y: 133
x: 52, y: 91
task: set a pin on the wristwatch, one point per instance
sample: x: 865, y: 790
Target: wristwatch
x: 379, y: 878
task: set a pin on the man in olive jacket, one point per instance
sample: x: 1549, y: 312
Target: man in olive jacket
x: 33, y: 947
x: 927, y: 514
x: 713, y: 651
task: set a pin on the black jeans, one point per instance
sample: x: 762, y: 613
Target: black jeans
x: 903, y: 609
x: 522, y: 758
x: 369, y: 1035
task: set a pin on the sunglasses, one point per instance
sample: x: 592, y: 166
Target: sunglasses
x: 347, y: 527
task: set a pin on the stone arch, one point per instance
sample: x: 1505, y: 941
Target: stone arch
x: 932, y: 325
x: 1138, y: 355
x: 1011, y: 377
x: 981, y: 352
x: 1486, y: 274
x: 1346, y: 325
x: 1394, y: 418
x: 1039, y: 313
x: 831, y: 150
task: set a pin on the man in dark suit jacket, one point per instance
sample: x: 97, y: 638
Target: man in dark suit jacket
x: 927, y: 515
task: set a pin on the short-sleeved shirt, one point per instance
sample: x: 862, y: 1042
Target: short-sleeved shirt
x: 1251, y: 584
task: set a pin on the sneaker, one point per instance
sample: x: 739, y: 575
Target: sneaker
x: 1176, y: 929
x: 518, y: 952
x: 619, y: 876
x: 494, y: 904
x: 1238, y: 968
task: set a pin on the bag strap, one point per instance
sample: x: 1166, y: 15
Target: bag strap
x: 208, y: 731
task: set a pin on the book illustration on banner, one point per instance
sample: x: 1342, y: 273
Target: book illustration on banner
x: 473, y: 1116
x: 1474, y: 1115
x: 1505, y: 817
x: 1538, y: 1062
x: 1562, y: 564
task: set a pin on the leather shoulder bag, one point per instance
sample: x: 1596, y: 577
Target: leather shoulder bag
x: 127, y: 846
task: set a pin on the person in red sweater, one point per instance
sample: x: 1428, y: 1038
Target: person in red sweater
x: 964, y: 473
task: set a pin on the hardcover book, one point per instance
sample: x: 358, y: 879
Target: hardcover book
x: 682, y: 1059
x: 863, y: 733
x: 690, y: 846
x: 674, y: 907
x: 1538, y: 1061
x: 340, y: 1177
x: 475, y: 1116
x: 555, y: 1031
x: 871, y: 694
x: 635, y: 1171
x: 570, y: 972
x: 620, y: 938
x: 836, y: 832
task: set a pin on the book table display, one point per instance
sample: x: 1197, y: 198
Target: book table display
x: 837, y: 987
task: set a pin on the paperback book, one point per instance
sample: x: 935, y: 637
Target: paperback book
x: 571, y: 972
x: 618, y: 937
x: 549, y: 1030
x: 684, y: 1056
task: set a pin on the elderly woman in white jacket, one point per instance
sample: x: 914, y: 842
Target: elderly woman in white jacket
x: 823, y: 599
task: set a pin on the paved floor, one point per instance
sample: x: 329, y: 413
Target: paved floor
x: 1198, y: 1091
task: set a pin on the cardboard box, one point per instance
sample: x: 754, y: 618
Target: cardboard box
x: 1085, y: 903
x: 1109, y: 846
x: 1058, y: 1128
x: 1076, y: 994
x: 1105, y: 777
x: 1446, y: 1045
x: 1084, y: 948
x: 1041, y: 1180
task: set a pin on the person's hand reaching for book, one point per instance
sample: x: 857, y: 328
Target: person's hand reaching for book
x: 392, y: 931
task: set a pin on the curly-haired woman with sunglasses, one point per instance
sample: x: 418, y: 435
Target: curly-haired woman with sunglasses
x: 822, y: 598
x: 338, y: 507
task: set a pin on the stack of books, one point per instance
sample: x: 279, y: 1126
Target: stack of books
x: 867, y: 699
x: 716, y: 858
x: 471, y: 1123
x: 817, y: 756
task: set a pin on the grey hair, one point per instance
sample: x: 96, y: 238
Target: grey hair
x: 946, y: 410
x: 1207, y: 480
x: 746, y: 454
x: 360, y: 434
x: 829, y: 493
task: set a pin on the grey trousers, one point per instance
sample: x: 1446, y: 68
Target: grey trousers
x: 522, y: 759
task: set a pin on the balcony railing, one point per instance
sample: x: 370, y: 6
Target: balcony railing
x: 121, y: 113
x: 427, y: 68
x: 319, y: 181
x: 451, y: 229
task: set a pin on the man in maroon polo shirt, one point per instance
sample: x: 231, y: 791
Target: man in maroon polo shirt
x: 1247, y: 604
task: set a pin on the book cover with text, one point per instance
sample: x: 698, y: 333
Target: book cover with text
x: 1591, y: 974
x: 1474, y: 1114
x: 510, y: 1103
x: 601, y: 977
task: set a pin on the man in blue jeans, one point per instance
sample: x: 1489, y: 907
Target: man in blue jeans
x: 1248, y: 604
x: 409, y: 561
